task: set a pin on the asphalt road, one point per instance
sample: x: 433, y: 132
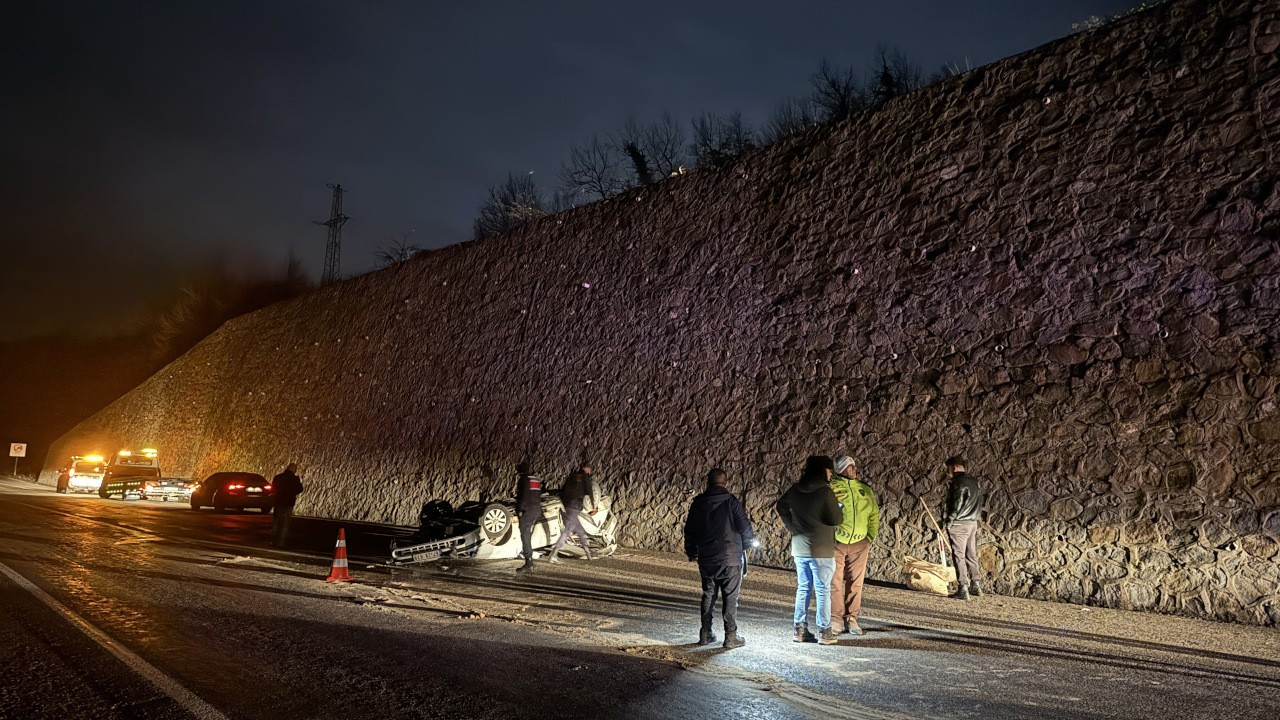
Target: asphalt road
x: 115, y: 609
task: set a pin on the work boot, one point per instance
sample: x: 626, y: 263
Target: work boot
x: 706, y: 637
x: 975, y: 589
x: 803, y: 634
x: 962, y: 593
x: 526, y: 567
x: 828, y: 636
x: 733, y: 640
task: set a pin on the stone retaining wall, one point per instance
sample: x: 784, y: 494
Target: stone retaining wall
x: 1063, y: 265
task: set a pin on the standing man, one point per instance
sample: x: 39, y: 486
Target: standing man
x: 288, y: 486
x: 964, y: 506
x: 577, y: 487
x: 529, y: 509
x: 811, y: 513
x: 859, y: 525
x: 715, y: 532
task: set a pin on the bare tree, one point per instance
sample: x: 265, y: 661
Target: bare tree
x: 791, y: 118
x: 398, y: 251
x: 837, y: 94
x: 654, y: 150
x: 718, y: 139
x: 560, y: 201
x: 509, y: 205
x: 893, y: 76
x: 593, y: 171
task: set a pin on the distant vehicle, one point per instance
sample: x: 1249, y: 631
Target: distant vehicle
x: 489, y: 531
x: 137, y: 474
x: 83, y: 474
x: 238, y: 490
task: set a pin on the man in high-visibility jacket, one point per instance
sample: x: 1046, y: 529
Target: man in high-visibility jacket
x: 859, y: 525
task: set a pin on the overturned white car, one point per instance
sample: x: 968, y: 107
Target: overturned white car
x: 488, y: 530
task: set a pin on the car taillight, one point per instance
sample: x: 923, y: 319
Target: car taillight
x: 152, y: 484
x: 235, y: 486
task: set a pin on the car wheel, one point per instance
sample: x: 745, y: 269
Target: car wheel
x: 195, y: 504
x: 495, y: 522
x: 218, y: 503
x: 265, y: 510
x: 102, y: 493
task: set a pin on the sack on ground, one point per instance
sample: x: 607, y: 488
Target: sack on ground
x: 925, y: 576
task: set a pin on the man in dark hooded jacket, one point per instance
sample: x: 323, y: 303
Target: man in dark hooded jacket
x: 575, y: 490
x: 811, y: 513
x: 288, y: 486
x: 715, y: 532
x: 529, y: 509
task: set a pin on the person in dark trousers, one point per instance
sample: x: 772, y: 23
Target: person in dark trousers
x: 287, y: 486
x: 715, y: 533
x: 858, y: 529
x: 964, y: 507
x: 811, y: 513
x: 577, y: 487
x: 529, y: 510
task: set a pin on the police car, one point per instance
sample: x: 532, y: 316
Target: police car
x: 83, y: 474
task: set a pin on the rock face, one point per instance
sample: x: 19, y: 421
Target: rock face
x: 1064, y: 265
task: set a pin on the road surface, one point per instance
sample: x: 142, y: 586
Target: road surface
x: 115, y: 609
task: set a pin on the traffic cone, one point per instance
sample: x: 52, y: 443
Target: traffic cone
x: 339, y: 572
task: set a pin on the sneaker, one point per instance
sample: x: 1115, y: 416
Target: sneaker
x: 803, y: 634
x: 962, y: 593
x: 706, y: 637
x: 526, y: 567
x: 828, y: 636
x: 553, y: 558
x: 733, y: 640
x: 975, y: 589
x: 851, y: 627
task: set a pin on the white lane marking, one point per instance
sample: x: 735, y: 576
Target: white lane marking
x: 166, y: 684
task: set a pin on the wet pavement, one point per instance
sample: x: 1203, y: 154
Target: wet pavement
x: 255, y: 632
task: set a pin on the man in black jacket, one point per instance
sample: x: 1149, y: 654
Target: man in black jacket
x: 287, y: 487
x: 715, y: 533
x: 577, y: 487
x: 964, y: 506
x: 529, y: 510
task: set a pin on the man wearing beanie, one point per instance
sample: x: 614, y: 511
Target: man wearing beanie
x: 715, y: 532
x: 859, y: 524
x: 811, y: 513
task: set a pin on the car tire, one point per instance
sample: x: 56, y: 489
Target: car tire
x: 496, y: 523
x: 102, y: 493
x: 265, y: 510
x: 195, y: 504
x: 218, y: 503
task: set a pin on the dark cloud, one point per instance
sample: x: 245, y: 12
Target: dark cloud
x: 140, y: 139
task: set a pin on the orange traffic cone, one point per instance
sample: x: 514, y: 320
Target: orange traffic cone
x: 339, y: 572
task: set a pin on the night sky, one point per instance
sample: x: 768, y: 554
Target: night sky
x: 142, y: 141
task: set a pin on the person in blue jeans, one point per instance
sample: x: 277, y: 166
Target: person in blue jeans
x: 811, y: 513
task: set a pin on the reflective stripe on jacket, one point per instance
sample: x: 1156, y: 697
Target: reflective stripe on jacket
x: 861, y: 514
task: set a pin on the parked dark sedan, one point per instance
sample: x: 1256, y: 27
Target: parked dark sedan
x: 239, y: 490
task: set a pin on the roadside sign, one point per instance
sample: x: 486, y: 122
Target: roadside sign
x: 17, y: 450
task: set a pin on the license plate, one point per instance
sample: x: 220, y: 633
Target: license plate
x: 426, y: 556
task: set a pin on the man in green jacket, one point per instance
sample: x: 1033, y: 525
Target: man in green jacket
x: 859, y: 525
